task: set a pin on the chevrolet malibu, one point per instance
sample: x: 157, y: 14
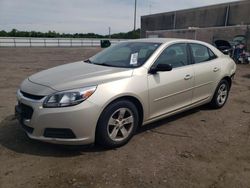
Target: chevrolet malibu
x: 106, y: 97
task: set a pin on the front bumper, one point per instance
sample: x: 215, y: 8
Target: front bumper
x: 78, y: 121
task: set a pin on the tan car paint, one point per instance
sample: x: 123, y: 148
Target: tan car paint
x: 160, y: 95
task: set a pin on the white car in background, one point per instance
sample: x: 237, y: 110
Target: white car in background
x: 105, y: 98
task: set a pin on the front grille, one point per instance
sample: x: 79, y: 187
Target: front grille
x: 30, y: 96
x: 59, y: 133
x: 26, y: 111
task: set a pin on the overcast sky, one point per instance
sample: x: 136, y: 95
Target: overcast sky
x: 82, y: 16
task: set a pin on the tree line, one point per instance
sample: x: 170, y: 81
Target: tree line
x: 53, y: 34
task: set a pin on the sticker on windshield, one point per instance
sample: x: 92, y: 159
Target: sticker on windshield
x: 133, y: 59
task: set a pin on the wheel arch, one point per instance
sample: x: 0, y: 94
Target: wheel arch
x: 132, y: 99
x: 214, y: 103
x: 228, y: 79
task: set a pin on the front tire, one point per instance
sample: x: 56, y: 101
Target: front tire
x: 221, y: 95
x: 117, y: 124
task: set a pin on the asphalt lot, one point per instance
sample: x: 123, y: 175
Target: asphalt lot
x: 199, y: 148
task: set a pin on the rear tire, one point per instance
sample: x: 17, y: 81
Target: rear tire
x: 221, y: 95
x: 117, y: 124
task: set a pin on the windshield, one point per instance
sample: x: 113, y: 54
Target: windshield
x: 125, y: 54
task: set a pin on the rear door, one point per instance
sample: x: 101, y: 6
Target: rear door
x: 171, y: 90
x: 206, y: 70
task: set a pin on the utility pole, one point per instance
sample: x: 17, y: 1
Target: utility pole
x: 109, y: 32
x: 135, y: 15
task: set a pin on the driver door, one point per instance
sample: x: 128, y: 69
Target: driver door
x: 172, y: 90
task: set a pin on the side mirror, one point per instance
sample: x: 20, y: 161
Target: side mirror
x: 161, y: 68
x: 105, y: 43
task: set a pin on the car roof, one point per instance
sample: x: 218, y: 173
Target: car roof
x: 162, y: 40
x: 169, y: 40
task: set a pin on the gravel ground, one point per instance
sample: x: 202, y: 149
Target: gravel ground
x: 198, y: 148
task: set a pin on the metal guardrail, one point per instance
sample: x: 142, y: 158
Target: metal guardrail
x: 52, y: 42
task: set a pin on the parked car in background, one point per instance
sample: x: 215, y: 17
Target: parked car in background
x: 235, y: 49
x: 240, y: 55
x: 224, y: 46
x: 106, y: 97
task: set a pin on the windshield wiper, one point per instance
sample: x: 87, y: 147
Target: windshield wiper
x: 88, y: 61
x: 105, y: 64
x: 102, y: 64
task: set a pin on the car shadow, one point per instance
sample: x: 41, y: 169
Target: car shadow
x: 14, y: 138
x: 169, y: 119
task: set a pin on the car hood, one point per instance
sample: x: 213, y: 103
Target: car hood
x: 222, y: 43
x: 77, y: 75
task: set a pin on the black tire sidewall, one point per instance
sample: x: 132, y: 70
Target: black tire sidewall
x: 102, y: 137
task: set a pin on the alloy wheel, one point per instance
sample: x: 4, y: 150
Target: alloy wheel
x: 120, y: 124
x: 222, y: 94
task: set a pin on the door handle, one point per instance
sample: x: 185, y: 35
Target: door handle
x: 216, y: 69
x: 188, y: 77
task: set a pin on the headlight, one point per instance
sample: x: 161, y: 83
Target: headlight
x: 68, y: 98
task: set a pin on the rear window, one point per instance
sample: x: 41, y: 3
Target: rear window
x: 211, y: 54
x: 201, y: 53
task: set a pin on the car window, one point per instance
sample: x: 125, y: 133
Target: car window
x: 211, y: 54
x: 120, y: 54
x: 175, y: 55
x: 201, y: 53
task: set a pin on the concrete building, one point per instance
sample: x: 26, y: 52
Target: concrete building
x: 217, y: 22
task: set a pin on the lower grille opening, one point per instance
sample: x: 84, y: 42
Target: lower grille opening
x: 26, y: 111
x: 27, y: 129
x: 59, y: 133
